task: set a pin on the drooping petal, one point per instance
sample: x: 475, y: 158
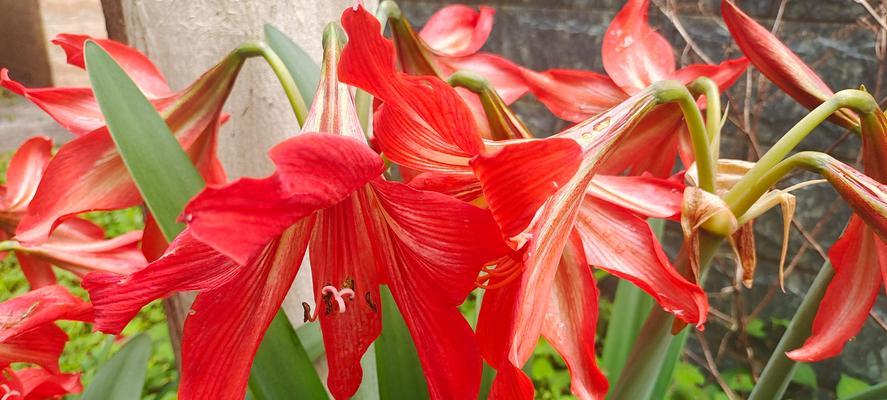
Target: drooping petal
x: 571, y: 322
x: 139, y: 68
x: 574, y: 95
x: 343, y: 256
x: 75, y: 109
x: 227, y: 323
x: 88, y: 174
x: 39, y: 307
x: 498, y: 314
x: 314, y: 171
x: 644, y: 195
x: 79, y: 246
x: 634, y: 54
x: 865, y: 195
x: 437, y: 247
x: 24, y: 172
x: 188, y: 265
x: 422, y: 118
x: 858, y: 258
x: 41, y: 345
x: 511, y: 384
x: 38, y: 384
x: 778, y: 63
x: 623, y: 244
x: 458, y: 30
x: 38, y: 272
x: 724, y: 74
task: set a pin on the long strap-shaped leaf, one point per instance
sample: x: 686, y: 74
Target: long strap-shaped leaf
x: 167, y: 179
x: 123, y: 375
x: 397, y: 363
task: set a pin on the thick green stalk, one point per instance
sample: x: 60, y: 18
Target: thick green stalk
x: 706, y: 86
x: 779, y: 370
x: 257, y: 48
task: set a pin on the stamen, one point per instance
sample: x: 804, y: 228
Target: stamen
x: 328, y: 294
x: 8, y: 393
x: 499, y: 276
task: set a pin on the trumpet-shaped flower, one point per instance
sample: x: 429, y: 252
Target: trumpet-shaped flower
x: 362, y: 231
x: 87, y: 173
x: 76, y: 245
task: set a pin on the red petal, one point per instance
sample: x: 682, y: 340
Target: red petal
x: 498, y: 314
x: 24, y: 172
x: 40, y: 307
x: 342, y: 255
x: 37, y: 383
x: 314, y: 171
x: 858, y: 258
x: 644, y: 195
x: 458, y: 30
x: 634, y: 54
x: 623, y: 244
x: 463, y: 186
x: 424, y: 123
x: 41, y: 345
x: 650, y: 146
x: 724, y: 74
x: 574, y: 95
x: 189, y: 265
x: 227, y: 323
x: 571, y: 322
x: 78, y: 245
x: 517, y: 179
x: 440, y: 244
x: 139, y: 68
x: 777, y: 62
x: 88, y: 174
x: 75, y: 109
x: 38, y: 273
x: 511, y: 384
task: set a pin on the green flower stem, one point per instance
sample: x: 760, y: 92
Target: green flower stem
x: 258, y: 48
x: 504, y: 124
x: 743, y: 195
x: 671, y: 92
x: 9, y: 245
x: 706, y: 86
x: 779, y: 370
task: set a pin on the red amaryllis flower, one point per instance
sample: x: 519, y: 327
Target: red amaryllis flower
x: 779, y: 64
x: 451, y: 41
x: 634, y: 57
x: 362, y: 231
x: 37, y: 384
x: 87, y: 173
x: 76, y: 245
x: 27, y: 329
x: 422, y: 124
x: 859, y: 257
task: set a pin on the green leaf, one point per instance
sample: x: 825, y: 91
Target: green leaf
x: 282, y: 367
x: 167, y: 179
x: 123, y: 376
x: 161, y: 170
x: 755, y: 328
x: 877, y: 392
x: 805, y: 375
x: 312, y: 340
x: 305, y: 72
x: 848, y: 386
x: 397, y: 363
x: 672, y: 357
x: 630, y: 308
